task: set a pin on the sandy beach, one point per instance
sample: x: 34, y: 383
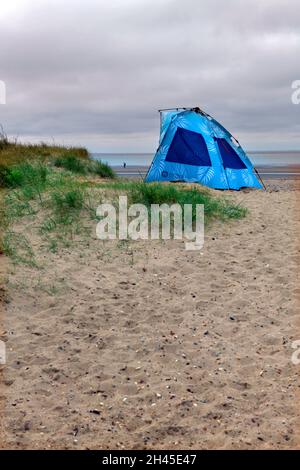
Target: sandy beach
x: 3, y: 279
x: 144, y: 345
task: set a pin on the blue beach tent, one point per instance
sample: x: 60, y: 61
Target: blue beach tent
x: 195, y: 148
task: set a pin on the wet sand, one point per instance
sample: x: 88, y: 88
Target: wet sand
x: 266, y: 172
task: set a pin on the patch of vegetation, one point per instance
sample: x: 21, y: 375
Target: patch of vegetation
x: 64, y: 209
x: 23, y: 174
x: 18, y: 248
x: 70, y: 200
x: 57, y: 204
x: 57, y: 197
x: 102, y: 169
x: 71, y: 163
x: 160, y: 193
x: 13, y: 152
x: 29, y: 182
x: 83, y: 167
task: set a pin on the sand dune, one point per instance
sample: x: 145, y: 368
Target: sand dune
x: 146, y: 345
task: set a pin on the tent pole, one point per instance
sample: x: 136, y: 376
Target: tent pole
x: 173, y: 109
x: 260, y: 179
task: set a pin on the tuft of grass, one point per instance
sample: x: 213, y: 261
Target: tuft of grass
x: 214, y: 207
x: 71, y: 163
x: 23, y: 174
x: 63, y: 209
x: 83, y: 167
x: 18, y: 248
x: 159, y: 193
x: 102, y: 169
x: 69, y: 201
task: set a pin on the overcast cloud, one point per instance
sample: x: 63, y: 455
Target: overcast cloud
x: 95, y: 72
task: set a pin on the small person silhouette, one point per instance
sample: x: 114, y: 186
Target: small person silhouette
x: 124, y: 164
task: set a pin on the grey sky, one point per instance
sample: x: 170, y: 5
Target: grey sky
x: 95, y: 72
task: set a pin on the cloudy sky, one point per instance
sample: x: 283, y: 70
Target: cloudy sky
x: 95, y: 72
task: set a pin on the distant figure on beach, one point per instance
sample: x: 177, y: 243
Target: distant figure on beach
x: 124, y: 164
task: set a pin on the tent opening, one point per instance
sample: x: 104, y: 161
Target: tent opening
x: 189, y: 148
x: 229, y: 156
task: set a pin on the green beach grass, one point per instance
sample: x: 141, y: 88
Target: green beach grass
x: 74, y: 164
x: 53, y: 193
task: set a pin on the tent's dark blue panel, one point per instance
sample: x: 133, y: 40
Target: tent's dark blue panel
x: 189, y: 148
x: 229, y: 156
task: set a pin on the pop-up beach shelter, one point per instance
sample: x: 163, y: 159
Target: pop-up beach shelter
x: 194, y: 147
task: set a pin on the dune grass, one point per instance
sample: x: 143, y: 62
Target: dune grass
x: 57, y: 196
x: 14, y: 152
x: 74, y: 159
x: 54, y: 204
x: 222, y: 207
x: 84, y: 167
x: 71, y: 163
x: 35, y: 177
x: 23, y: 174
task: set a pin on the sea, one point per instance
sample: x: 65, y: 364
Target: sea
x: 277, y: 164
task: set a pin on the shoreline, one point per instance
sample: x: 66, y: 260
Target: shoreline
x: 268, y: 172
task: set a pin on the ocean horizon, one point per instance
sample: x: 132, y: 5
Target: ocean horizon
x: 259, y: 158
